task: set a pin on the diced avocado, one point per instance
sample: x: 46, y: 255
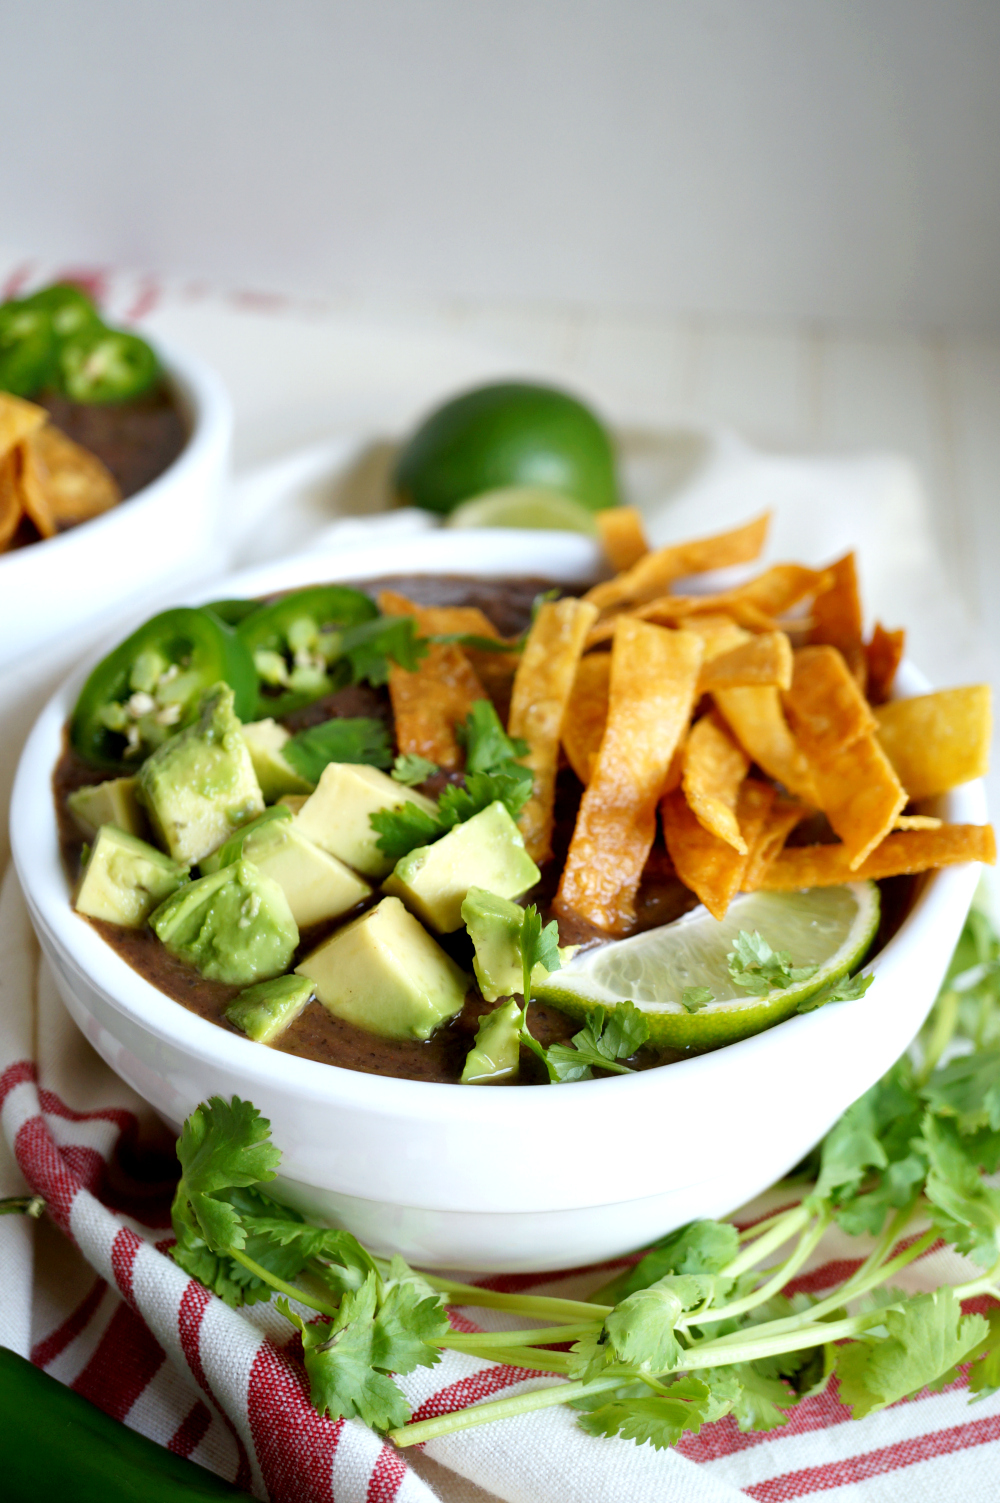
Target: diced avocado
x: 264, y: 1011
x: 486, y: 851
x: 336, y: 816
x: 234, y: 926
x: 200, y: 786
x: 317, y: 885
x: 495, y: 1055
x: 494, y: 926
x: 264, y: 739
x: 125, y: 879
x: 110, y: 803
x: 383, y: 972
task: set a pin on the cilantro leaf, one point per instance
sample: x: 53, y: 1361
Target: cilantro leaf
x: 755, y: 968
x: 410, y: 1316
x: 968, y: 1089
x: 371, y: 646
x: 927, y: 1337
x: 755, y: 1406
x: 640, y: 1329
x: 402, y: 830
x: 965, y: 1209
x: 341, y: 1362
x: 699, y: 1247
x: 695, y: 997
x: 410, y: 769
x: 488, y: 748
x: 602, y: 1042
x: 348, y: 739
x: 337, y: 1258
x: 636, y: 1414
x: 847, y: 989
x: 222, y: 1145
x: 221, y: 1273
x: 512, y: 788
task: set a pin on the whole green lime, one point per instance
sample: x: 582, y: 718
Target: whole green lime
x: 510, y: 434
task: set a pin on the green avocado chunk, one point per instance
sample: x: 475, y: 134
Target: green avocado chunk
x: 495, y: 1055
x: 265, y: 739
x: 264, y: 1011
x: 234, y: 926
x: 200, y: 786
x: 494, y: 926
x: 486, y: 851
x: 318, y: 886
x: 125, y: 879
x: 110, y: 803
x: 337, y: 815
x: 383, y: 972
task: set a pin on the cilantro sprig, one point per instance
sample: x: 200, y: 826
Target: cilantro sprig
x: 755, y: 968
x: 348, y: 739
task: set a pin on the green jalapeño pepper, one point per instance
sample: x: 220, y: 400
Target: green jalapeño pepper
x: 150, y: 686
x: 67, y: 307
x: 99, y: 365
x: 27, y: 349
x: 296, y: 645
x: 232, y: 612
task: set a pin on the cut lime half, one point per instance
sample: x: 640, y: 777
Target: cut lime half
x: 831, y: 927
x: 531, y: 506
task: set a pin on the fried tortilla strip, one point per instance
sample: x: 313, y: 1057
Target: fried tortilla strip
x: 898, y: 855
x: 937, y: 741
x: 654, y: 678
x: 826, y: 709
x: 542, y: 689
x: 714, y: 768
x: 712, y: 868
x: 11, y: 509
x: 837, y: 617
x: 34, y: 491
x: 18, y: 418
x: 653, y: 574
x: 860, y: 795
x: 754, y: 605
x: 622, y: 536
x: 758, y: 722
x: 918, y: 822
x: 884, y: 653
x: 781, y: 820
x: 75, y: 484
x: 495, y: 670
x: 718, y: 632
x: 587, y: 713
x: 430, y: 702
x: 763, y: 660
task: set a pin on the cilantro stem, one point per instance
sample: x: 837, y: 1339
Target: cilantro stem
x: 462, y: 1342
x: 293, y: 1291
x: 22, y: 1205
x: 541, y: 1306
x: 945, y: 1019
x: 750, y: 1233
x: 742, y: 1347
x: 781, y: 1275
x: 484, y: 1414
x: 783, y: 1230
x: 535, y: 1359
x: 982, y: 1285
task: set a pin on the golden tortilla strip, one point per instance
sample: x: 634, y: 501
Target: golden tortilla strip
x: 937, y: 741
x: 11, y: 508
x: 713, y: 770
x: 653, y: 574
x: 917, y: 822
x: 654, y: 678
x: 429, y: 703
x: 18, y: 418
x: 587, y: 713
x: 495, y: 670
x: 837, y: 617
x: 712, y: 868
x: 75, y: 483
x: 541, y: 692
x: 719, y: 633
x: 758, y: 722
x: 764, y: 660
x: 754, y: 605
x: 899, y: 855
x: 33, y: 486
x: 622, y: 536
x: 825, y: 707
x: 782, y: 817
x: 860, y: 795
x: 884, y: 654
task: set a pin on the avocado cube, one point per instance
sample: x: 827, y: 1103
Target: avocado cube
x: 494, y: 926
x: 496, y: 1054
x: 486, y: 851
x: 336, y: 816
x: 200, y: 786
x: 317, y: 885
x: 264, y: 1011
x: 234, y: 926
x: 264, y: 739
x: 384, y: 973
x: 110, y: 803
x: 125, y: 879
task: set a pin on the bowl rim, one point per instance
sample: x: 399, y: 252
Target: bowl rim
x: 485, y: 553
x: 207, y: 407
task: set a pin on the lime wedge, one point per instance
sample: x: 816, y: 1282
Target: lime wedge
x: 531, y: 506
x: 829, y: 926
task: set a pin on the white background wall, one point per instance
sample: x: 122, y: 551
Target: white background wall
x: 828, y: 159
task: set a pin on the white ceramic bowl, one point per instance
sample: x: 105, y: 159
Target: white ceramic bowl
x: 60, y: 583
x: 521, y: 1179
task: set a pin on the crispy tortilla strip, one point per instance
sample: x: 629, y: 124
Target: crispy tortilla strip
x: 758, y: 722
x: 654, y: 677
x: 937, y: 741
x: 824, y: 705
x: 495, y: 670
x: 587, y: 713
x: 781, y: 820
x: 653, y: 574
x: 712, y: 868
x: 18, y: 418
x: 837, y: 617
x: 538, y: 703
x: 898, y: 855
x: 755, y: 605
x: 766, y: 659
x: 918, y: 822
x: 718, y: 632
x: 860, y: 795
x: 34, y: 489
x: 884, y: 653
x: 11, y: 509
x: 713, y: 769
x: 429, y: 703
x: 622, y: 535
x: 76, y: 485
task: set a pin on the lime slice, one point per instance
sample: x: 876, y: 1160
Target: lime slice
x: 524, y: 506
x: 829, y: 926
